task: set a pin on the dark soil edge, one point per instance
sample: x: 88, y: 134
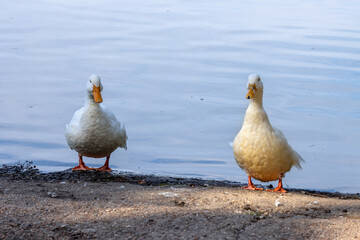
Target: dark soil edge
x: 28, y: 172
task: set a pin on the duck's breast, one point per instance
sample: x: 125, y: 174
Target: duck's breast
x: 261, y: 152
x: 95, y: 132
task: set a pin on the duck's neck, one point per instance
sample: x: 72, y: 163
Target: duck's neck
x: 255, y: 114
x: 257, y: 101
x: 90, y: 100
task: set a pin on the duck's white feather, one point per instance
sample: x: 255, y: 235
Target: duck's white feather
x: 261, y: 150
x: 94, y: 130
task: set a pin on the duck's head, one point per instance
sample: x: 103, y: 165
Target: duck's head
x: 95, y: 87
x: 254, y: 86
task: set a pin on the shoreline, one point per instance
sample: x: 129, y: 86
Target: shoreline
x: 27, y: 171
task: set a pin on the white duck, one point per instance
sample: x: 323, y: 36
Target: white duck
x: 261, y: 150
x: 94, y: 131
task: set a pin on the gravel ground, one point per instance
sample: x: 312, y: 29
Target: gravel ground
x: 91, y: 205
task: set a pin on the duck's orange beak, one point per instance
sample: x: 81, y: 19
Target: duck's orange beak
x: 251, y: 93
x: 97, y: 94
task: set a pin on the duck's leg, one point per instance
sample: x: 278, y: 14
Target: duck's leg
x: 279, y: 188
x: 251, y: 186
x: 81, y: 166
x: 106, y: 165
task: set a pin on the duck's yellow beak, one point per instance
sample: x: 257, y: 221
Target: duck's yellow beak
x: 251, y: 93
x: 97, y: 94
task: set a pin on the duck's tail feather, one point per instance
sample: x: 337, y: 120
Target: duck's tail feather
x: 123, y: 138
x: 298, y: 160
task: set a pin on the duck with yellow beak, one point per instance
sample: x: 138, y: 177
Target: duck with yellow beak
x: 94, y: 131
x: 261, y: 150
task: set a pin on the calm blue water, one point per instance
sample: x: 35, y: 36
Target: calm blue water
x: 175, y: 73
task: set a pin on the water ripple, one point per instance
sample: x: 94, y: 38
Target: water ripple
x: 32, y: 144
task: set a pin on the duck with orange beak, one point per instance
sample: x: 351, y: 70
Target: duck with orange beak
x: 260, y: 149
x: 94, y: 131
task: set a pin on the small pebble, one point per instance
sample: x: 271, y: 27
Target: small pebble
x: 247, y: 207
x: 168, y: 194
x: 179, y: 203
x: 315, y: 203
x: 89, y: 230
x: 278, y: 203
x: 52, y: 194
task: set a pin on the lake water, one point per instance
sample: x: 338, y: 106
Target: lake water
x: 175, y: 73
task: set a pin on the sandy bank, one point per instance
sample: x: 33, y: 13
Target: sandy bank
x: 68, y: 205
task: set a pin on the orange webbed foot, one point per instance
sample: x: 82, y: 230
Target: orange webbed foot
x: 104, y: 169
x: 252, y: 188
x: 279, y: 188
x: 82, y: 168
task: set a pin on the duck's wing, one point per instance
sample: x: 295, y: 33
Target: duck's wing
x: 296, y: 158
x: 73, y: 128
x: 119, y: 130
x: 279, y: 133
